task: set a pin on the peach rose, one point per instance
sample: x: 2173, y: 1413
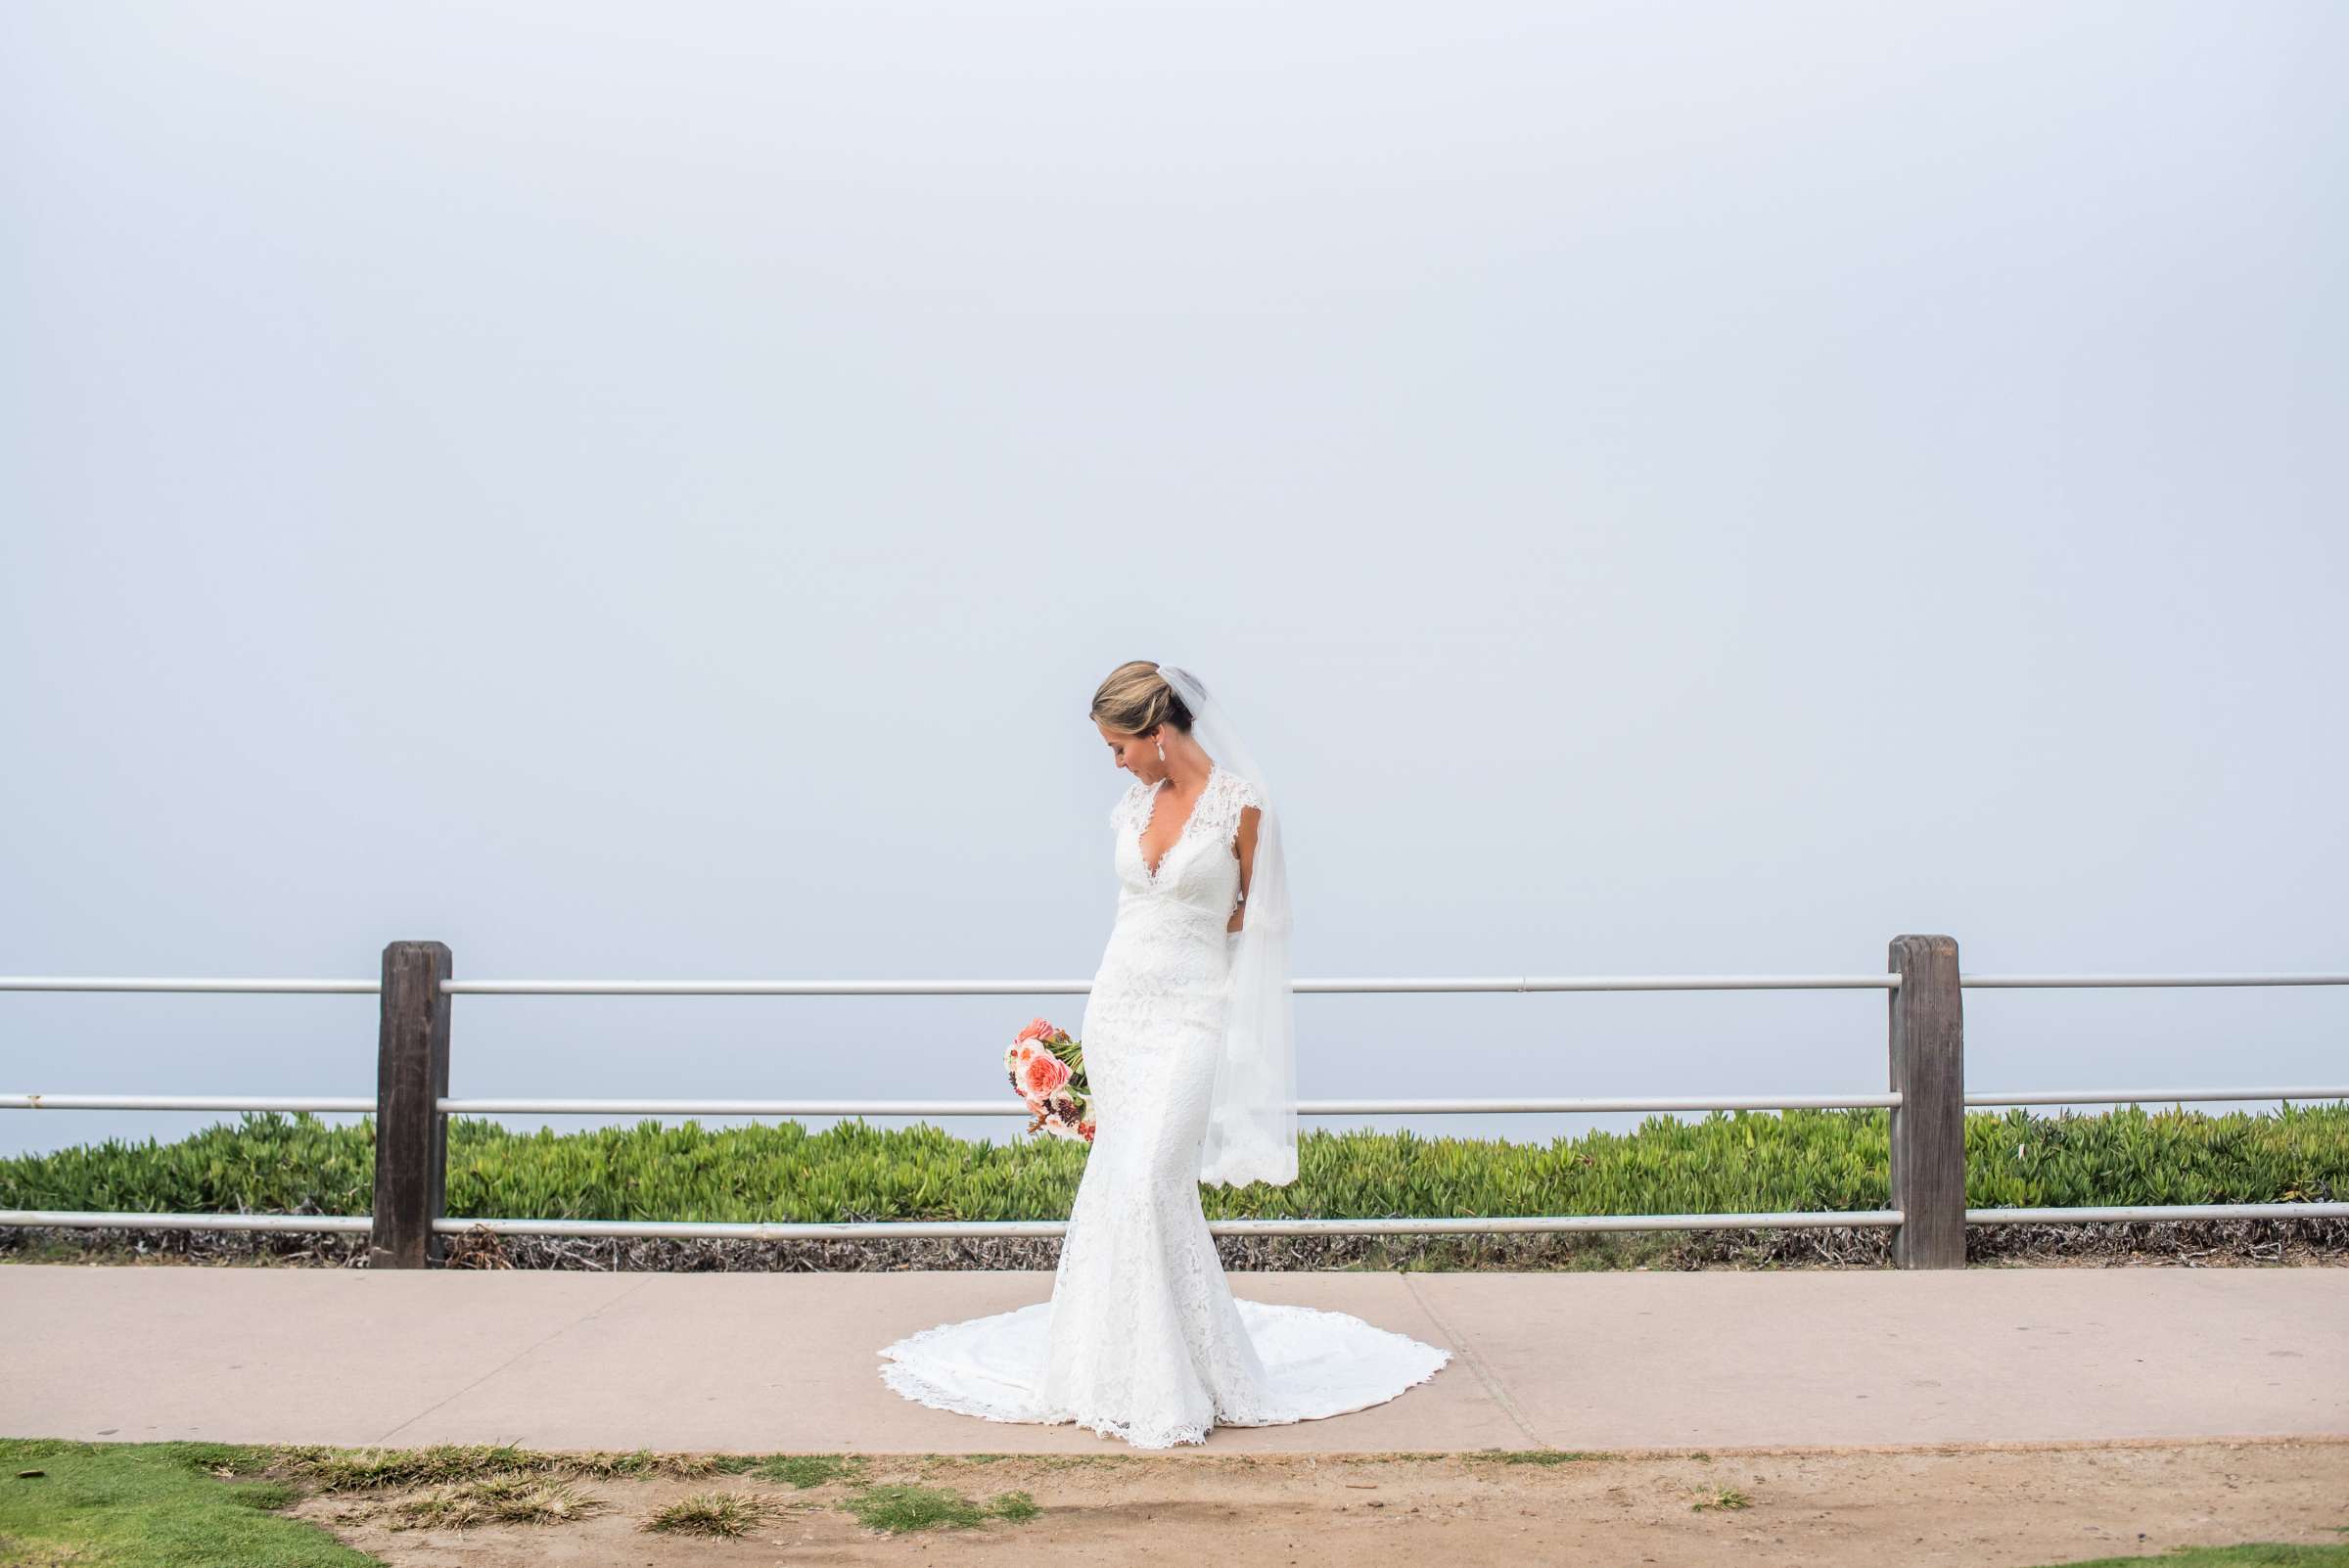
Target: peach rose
x: 1040, y: 1074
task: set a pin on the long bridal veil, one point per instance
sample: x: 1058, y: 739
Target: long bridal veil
x: 1251, y: 1116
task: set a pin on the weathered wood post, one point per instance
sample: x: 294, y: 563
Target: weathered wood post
x: 411, y: 1134
x: 1928, y: 1126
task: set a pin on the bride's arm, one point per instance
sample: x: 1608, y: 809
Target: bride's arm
x: 1250, y: 816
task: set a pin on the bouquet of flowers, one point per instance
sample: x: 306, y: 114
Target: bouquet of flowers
x: 1047, y: 1071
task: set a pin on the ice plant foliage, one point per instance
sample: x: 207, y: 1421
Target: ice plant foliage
x: 1046, y: 1067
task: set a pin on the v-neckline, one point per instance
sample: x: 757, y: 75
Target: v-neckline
x: 1150, y: 813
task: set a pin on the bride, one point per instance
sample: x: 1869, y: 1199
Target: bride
x: 1189, y: 1049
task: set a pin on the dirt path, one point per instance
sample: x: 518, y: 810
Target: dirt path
x: 1975, y: 1507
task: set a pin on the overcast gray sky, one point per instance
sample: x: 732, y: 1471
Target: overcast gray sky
x: 643, y: 492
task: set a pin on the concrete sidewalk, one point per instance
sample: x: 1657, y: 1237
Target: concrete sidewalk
x: 767, y: 1363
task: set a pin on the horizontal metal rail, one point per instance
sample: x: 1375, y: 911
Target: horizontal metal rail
x: 349, y: 1104
x: 1023, y: 987
x: 911, y: 1230
x: 188, y: 1102
x: 1384, y: 1226
x: 1971, y: 982
x: 366, y: 988
x: 2150, y: 1096
x: 82, y: 1219
x: 2157, y: 1210
x: 1005, y: 1106
x: 947, y: 988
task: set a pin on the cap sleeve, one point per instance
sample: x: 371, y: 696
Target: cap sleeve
x: 1225, y: 799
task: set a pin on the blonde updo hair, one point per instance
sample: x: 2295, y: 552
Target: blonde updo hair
x: 1135, y: 699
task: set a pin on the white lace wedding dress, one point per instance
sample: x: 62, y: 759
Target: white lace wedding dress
x: 1142, y: 1338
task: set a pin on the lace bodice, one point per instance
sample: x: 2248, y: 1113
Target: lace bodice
x: 1188, y: 872
x: 1168, y: 956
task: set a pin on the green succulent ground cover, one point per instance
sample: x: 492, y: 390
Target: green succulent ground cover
x: 1727, y: 1162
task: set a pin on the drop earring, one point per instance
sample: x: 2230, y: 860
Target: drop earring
x: 1162, y: 751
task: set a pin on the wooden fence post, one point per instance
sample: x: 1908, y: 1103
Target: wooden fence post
x: 411, y: 1133
x: 1928, y: 1126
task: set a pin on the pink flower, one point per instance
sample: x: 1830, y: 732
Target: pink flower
x: 1040, y: 1074
x: 1039, y: 1030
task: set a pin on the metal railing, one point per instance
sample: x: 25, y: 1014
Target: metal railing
x: 1927, y: 1100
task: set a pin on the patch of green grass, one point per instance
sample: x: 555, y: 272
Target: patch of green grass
x: 804, y: 1470
x: 153, y: 1506
x: 929, y: 1464
x: 1534, y: 1456
x: 637, y: 1462
x: 1722, y: 1498
x: 900, y: 1508
x: 376, y: 1469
